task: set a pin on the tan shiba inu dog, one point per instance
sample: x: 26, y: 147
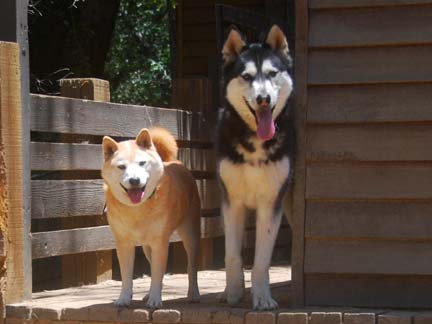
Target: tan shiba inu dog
x: 149, y: 194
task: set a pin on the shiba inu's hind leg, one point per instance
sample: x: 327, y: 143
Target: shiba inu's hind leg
x: 189, y: 232
x: 147, y: 253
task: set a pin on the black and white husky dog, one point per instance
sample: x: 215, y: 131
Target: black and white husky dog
x: 255, y: 147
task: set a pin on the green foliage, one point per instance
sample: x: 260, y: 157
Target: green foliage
x: 138, y: 64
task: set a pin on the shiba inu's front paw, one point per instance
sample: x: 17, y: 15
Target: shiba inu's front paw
x: 262, y: 302
x: 124, y: 300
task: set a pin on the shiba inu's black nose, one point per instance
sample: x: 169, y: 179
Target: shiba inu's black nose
x: 263, y: 101
x: 135, y: 181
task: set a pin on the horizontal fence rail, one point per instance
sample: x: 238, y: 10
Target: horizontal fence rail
x: 78, y: 116
x: 69, y: 198
x: 80, y: 240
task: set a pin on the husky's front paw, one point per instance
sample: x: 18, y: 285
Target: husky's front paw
x: 263, y: 302
x: 124, y: 300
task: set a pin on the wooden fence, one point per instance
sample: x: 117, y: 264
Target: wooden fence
x: 66, y: 159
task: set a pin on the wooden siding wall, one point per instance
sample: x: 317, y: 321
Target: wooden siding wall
x: 196, y: 34
x: 368, y: 227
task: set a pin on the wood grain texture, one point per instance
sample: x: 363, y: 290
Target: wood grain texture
x: 370, y: 103
x: 369, y: 220
x: 88, y: 89
x: 370, y: 65
x: 78, y: 116
x: 62, y: 157
x: 369, y: 291
x: 371, y: 26
x: 369, y: 181
x: 369, y: 257
x: 70, y: 198
x: 298, y: 204
x: 326, y: 4
x: 72, y: 156
x: 67, y: 198
x: 14, y: 136
x: 4, y: 215
x: 72, y: 241
x: 392, y: 142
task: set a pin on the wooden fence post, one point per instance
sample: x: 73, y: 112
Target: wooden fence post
x: 93, y: 267
x: 13, y: 172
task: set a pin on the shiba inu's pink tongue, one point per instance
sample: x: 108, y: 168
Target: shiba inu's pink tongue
x: 266, y: 126
x: 135, y: 195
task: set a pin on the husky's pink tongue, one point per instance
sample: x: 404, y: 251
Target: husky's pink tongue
x: 266, y: 126
x: 135, y: 195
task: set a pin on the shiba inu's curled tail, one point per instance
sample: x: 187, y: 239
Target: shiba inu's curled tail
x: 165, y: 143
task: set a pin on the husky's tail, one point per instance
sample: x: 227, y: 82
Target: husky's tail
x: 165, y: 143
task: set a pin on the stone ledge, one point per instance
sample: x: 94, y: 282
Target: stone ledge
x: 202, y: 314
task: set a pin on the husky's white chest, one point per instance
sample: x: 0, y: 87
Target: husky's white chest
x: 254, y: 185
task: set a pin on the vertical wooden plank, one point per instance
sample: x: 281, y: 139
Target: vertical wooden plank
x: 21, y: 7
x: 14, y: 85
x: 4, y: 215
x: 13, y: 133
x: 198, y: 103
x: 301, y: 51
x: 91, y: 267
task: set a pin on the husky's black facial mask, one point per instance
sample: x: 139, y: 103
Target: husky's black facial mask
x: 257, y: 80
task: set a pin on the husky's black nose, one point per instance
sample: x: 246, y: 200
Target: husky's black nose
x: 263, y: 101
x: 135, y: 181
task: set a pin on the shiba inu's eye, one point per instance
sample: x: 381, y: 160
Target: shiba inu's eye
x: 121, y: 166
x: 141, y: 163
x: 247, y: 77
x: 272, y: 74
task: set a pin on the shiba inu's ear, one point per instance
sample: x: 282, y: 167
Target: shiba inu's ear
x: 143, y: 139
x: 277, y: 41
x: 232, y: 47
x: 109, y: 147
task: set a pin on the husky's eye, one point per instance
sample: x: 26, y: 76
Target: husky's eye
x: 121, y: 166
x: 141, y: 163
x: 247, y: 77
x: 272, y: 74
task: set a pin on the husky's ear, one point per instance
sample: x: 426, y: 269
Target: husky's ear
x: 232, y: 47
x: 109, y: 147
x: 143, y: 139
x: 277, y: 41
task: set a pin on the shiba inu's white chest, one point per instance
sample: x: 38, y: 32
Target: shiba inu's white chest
x: 253, y: 184
x: 137, y: 227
